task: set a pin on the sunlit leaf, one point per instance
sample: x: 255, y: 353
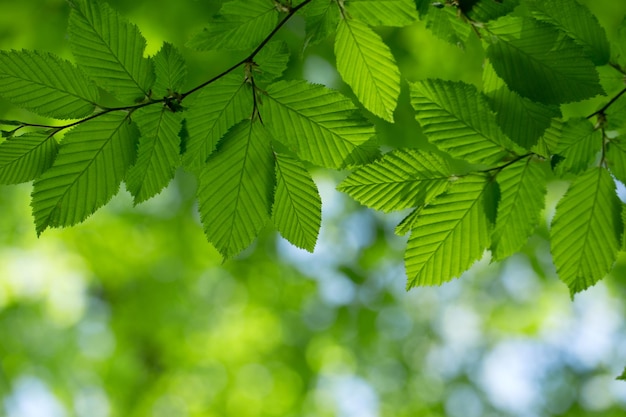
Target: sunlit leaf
x: 236, y: 188
x: 587, y: 230
x: 401, y: 179
x: 297, y: 210
x: 456, y: 118
x: 449, y: 235
x: 367, y: 65
x: 523, y: 189
x: 23, y: 158
x: 576, y: 141
x: 46, y: 84
x: 158, y: 154
x: 92, y: 162
x: 318, y: 124
x: 110, y: 50
x: 170, y: 69
x: 616, y: 158
x: 383, y: 12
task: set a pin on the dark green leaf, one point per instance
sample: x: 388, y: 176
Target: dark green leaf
x: 24, y: 158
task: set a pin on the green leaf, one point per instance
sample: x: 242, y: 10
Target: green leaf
x: 522, y: 120
x: 236, y: 187
x: 322, y: 18
x: 587, y: 230
x: 216, y: 109
x: 158, y: 155
x: 297, y: 210
x: 486, y: 10
x: 110, y: 50
x: 457, y: 119
x: 577, y: 21
x: 170, y: 70
x: 46, y: 84
x: 383, y: 12
x: 92, y: 162
x: 523, y: 190
x: 446, y: 24
x: 576, y: 141
x: 271, y: 61
x: 320, y: 125
x: 616, y: 158
x: 400, y: 179
x: 449, y: 235
x: 622, y: 376
x: 241, y: 24
x: 408, y: 223
x: 366, y: 64
x: 524, y: 49
x: 24, y: 158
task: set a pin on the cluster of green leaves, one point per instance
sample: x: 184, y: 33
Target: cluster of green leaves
x: 250, y: 139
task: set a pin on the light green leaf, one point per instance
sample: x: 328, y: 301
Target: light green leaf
x: 523, y: 189
x: 383, y: 12
x: 110, y: 50
x: 320, y: 125
x: 216, y: 109
x: 524, y: 49
x: 367, y: 65
x: 449, y: 235
x: 46, y: 84
x: 24, y: 158
x: 236, y: 188
x: 576, y: 141
x: 577, y: 21
x: 297, y: 210
x: 408, y: 223
x: 401, y: 179
x: 322, y: 18
x: 241, y: 24
x: 158, y: 154
x: 457, y: 119
x: 447, y: 25
x: 486, y: 10
x: 170, y: 70
x: 271, y: 61
x: 92, y: 161
x: 522, y: 120
x: 587, y: 230
x: 616, y: 158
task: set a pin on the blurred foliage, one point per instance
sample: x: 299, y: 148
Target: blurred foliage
x: 133, y: 314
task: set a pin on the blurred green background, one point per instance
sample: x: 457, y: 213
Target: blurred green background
x: 133, y: 314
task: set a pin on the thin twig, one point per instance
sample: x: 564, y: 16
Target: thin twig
x: 607, y: 105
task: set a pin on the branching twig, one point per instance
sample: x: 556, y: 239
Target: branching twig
x: 607, y: 105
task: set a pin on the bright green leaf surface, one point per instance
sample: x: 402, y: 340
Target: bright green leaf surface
x: 523, y: 49
x: 297, y: 210
x: 91, y: 164
x: 400, y: 179
x: 216, y: 109
x: 579, y: 24
x: 616, y: 158
x: 522, y: 120
x: 449, y: 235
x: 236, y: 188
x: 170, y: 70
x: 383, y: 12
x: 319, y: 124
x: 587, y: 230
x: 24, y: 158
x: 457, y: 119
x: 46, y: 84
x: 110, y: 50
x: 241, y: 24
x: 158, y: 154
x: 523, y: 189
x: 367, y: 65
x: 576, y: 141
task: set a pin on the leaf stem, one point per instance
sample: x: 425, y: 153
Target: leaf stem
x: 507, y: 164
